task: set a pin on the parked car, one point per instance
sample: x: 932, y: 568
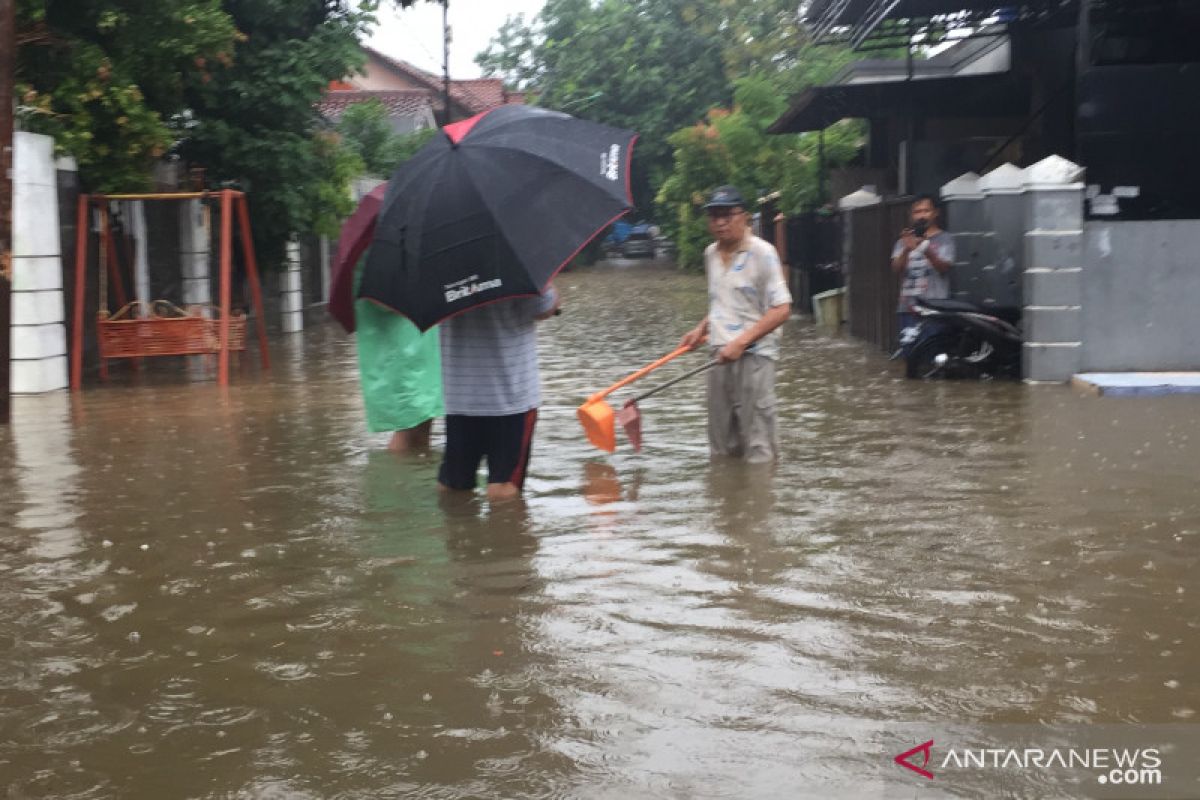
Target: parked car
x: 640, y: 244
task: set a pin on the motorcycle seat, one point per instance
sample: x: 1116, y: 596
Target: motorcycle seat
x: 951, y: 305
x: 1007, y: 314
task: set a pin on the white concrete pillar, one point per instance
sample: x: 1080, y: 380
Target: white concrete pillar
x: 326, y: 269
x: 1003, y: 217
x: 135, y: 213
x: 291, y: 290
x: 39, y: 335
x: 962, y: 202
x: 863, y: 197
x: 1003, y: 180
x: 1053, y: 279
x: 194, y: 242
x: 963, y: 188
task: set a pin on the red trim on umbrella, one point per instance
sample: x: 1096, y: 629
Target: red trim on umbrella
x: 353, y: 241
x: 457, y: 131
x: 460, y: 130
x: 586, y: 241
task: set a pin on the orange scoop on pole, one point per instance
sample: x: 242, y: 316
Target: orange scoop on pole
x: 597, y: 416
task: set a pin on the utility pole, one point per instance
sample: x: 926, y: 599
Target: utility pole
x: 8, y: 66
x: 446, y: 61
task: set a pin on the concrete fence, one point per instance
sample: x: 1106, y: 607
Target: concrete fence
x: 1095, y: 295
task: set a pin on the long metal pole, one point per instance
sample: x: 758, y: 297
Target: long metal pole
x: 8, y: 63
x: 446, y: 61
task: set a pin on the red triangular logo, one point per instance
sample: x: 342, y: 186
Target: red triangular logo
x: 925, y: 748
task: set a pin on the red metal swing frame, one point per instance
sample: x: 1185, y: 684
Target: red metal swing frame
x: 229, y: 199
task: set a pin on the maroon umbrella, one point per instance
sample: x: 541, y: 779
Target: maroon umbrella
x: 352, y: 243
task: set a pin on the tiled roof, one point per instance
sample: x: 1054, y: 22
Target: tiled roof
x: 475, y: 95
x: 488, y: 92
x: 403, y: 103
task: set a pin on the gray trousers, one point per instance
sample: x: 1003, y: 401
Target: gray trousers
x: 741, y: 409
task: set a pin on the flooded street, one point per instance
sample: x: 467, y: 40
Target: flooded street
x: 243, y: 594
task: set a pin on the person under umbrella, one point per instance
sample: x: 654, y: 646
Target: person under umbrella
x: 473, y: 230
x: 399, y: 366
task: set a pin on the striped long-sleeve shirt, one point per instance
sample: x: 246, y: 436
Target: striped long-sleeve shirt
x: 489, y: 358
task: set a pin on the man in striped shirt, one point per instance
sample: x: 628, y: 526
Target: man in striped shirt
x: 492, y: 392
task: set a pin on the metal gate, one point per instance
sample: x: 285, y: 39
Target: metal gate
x: 870, y: 233
x: 814, y: 254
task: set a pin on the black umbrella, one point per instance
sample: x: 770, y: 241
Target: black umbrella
x: 493, y: 207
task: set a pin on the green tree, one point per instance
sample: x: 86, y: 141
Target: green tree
x: 657, y: 66
x: 733, y: 146
x: 511, y: 54
x: 406, y: 146
x: 229, y: 84
x: 770, y: 58
x: 646, y: 65
x: 255, y: 121
x: 103, y: 77
x: 365, y: 129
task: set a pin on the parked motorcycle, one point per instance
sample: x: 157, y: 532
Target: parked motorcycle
x: 957, y: 339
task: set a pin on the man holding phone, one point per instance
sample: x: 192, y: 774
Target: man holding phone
x: 923, y: 254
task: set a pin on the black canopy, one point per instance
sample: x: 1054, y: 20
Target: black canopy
x: 994, y: 95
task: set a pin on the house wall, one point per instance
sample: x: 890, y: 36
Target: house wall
x: 1141, y: 295
x: 420, y: 121
x: 844, y: 180
x: 1047, y: 57
x: 379, y: 76
x: 1138, y: 127
x: 946, y: 148
x: 937, y: 162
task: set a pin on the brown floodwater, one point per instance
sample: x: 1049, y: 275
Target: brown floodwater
x: 242, y: 594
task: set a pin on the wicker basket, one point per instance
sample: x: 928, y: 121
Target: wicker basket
x: 166, y: 330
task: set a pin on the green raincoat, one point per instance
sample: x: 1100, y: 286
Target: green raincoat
x: 399, y: 367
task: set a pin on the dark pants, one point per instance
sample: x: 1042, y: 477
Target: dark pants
x: 504, y: 441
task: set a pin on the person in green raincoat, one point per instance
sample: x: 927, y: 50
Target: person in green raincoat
x: 400, y: 370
